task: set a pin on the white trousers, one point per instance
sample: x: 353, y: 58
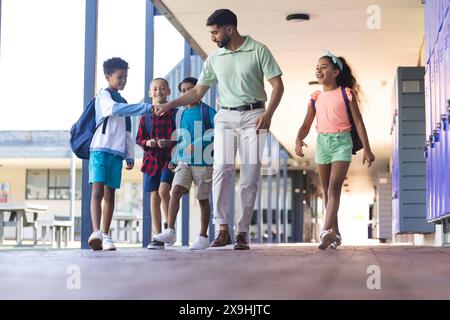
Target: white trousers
x: 233, y: 131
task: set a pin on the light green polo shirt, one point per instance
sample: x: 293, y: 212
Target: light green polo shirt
x: 240, y: 74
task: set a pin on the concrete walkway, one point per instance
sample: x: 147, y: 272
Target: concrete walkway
x: 264, y: 272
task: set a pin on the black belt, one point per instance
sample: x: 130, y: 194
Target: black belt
x: 246, y: 107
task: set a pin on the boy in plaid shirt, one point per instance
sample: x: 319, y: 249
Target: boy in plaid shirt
x: 154, y: 136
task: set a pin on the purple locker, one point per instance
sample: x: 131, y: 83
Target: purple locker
x: 431, y: 136
x: 427, y: 32
x: 427, y: 134
x: 446, y: 8
x: 436, y: 124
x: 439, y: 111
x: 446, y: 111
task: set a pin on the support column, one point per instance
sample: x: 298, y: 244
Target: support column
x: 149, y: 57
x: 90, y: 61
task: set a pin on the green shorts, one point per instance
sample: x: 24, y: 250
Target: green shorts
x: 333, y: 147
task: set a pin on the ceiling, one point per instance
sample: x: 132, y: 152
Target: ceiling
x: 339, y: 26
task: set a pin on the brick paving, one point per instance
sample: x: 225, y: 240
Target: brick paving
x: 264, y: 272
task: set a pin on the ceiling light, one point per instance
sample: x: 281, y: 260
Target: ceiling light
x: 297, y: 17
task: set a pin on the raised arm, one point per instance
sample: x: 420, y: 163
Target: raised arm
x: 192, y: 96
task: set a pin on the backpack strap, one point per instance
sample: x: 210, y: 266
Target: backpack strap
x: 205, y: 117
x: 174, y: 118
x: 313, y: 99
x: 128, y: 124
x: 105, y: 122
x: 148, y: 124
x: 347, y: 105
x: 178, y: 116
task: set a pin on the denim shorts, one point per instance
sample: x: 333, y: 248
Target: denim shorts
x: 105, y: 168
x: 151, y: 183
x: 332, y: 147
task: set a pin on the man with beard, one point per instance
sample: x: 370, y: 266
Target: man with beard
x: 239, y: 66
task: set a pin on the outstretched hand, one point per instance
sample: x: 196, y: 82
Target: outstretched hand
x: 160, y: 109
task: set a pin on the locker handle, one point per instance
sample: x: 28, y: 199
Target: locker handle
x: 395, y: 195
x: 444, y: 119
x: 425, y: 151
x: 431, y: 137
x: 437, y: 133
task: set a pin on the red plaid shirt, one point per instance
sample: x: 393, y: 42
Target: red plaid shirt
x: 155, y: 159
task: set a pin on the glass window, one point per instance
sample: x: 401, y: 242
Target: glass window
x: 129, y: 198
x: 78, y: 185
x: 59, y: 185
x: 37, y: 181
x: 51, y: 184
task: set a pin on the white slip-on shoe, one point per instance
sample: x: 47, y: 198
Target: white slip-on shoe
x: 201, y: 243
x: 95, y: 240
x: 168, y: 236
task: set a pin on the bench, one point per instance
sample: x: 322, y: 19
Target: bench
x: 129, y: 224
x: 58, y: 230
x: 18, y: 218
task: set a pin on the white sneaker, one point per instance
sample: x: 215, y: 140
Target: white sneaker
x: 201, y: 243
x: 326, y: 239
x: 108, y: 245
x: 168, y: 236
x: 337, y: 243
x: 95, y: 240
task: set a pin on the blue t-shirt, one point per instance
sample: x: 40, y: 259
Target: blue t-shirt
x: 192, y: 132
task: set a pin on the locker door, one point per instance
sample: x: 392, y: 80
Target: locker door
x: 436, y: 138
x: 439, y: 144
x: 446, y: 113
x: 426, y: 142
x: 431, y: 136
x: 446, y: 7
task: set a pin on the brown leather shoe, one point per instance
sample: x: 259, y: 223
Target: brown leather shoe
x: 222, y: 239
x: 240, y: 242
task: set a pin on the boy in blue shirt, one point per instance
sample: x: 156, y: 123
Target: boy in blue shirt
x: 112, y: 143
x: 192, y: 162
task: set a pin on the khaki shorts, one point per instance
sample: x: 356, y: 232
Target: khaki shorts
x: 200, y: 175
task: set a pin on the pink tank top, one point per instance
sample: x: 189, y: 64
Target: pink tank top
x: 331, y: 113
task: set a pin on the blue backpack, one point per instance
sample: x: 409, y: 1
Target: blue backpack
x: 205, y: 118
x: 83, y: 130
